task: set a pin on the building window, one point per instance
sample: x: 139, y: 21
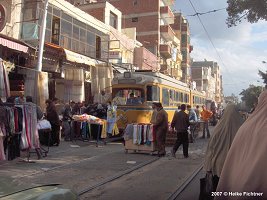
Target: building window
x: 184, y: 38
x: 55, y: 30
x: 98, y: 47
x: 135, y: 19
x: 134, y: 2
x: 113, y: 20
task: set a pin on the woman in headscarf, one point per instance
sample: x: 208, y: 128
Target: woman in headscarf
x: 220, y: 142
x: 52, y: 117
x: 111, y: 117
x: 245, y: 166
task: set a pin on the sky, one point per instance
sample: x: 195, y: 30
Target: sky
x: 238, y: 50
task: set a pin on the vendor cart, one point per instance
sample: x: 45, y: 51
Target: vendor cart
x: 146, y: 143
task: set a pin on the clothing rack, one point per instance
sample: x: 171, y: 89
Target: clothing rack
x: 38, y: 151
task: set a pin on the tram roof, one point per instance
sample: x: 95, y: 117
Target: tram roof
x: 148, y: 76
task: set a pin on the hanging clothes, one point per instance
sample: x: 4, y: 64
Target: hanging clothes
x: 18, y: 124
x: 4, y: 82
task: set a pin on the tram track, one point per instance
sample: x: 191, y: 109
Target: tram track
x: 117, y: 176
x: 188, y: 180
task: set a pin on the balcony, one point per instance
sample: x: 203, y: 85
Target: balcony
x: 179, y: 56
x: 165, y: 50
x: 176, y: 41
x: 166, y: 14
x: 167, y: 32
x: 180, y: 73
x: 168, y: 2
x: 205, y: 77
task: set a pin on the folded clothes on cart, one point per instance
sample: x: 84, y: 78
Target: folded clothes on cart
x: 87, y: 118
x: 43, y: 124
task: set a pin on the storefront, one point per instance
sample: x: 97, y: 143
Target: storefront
x: 13, y: 57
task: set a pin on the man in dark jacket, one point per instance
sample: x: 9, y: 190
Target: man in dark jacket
x: 161, y: 128
x: 180, y: 122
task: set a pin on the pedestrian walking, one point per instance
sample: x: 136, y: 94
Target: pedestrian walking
x: 52, y: 117
x: 197, y: 111
x: 180, y: 122
x: 66, y: 123
x: 244, y: 169
x: 205, y: 116
x: 161, y: 128
x: 220, y: 142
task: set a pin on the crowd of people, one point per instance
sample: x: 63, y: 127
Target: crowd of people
x: 184, y: 120
x: 60, y: 115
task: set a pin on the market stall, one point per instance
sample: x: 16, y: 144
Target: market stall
x: 86, y: 122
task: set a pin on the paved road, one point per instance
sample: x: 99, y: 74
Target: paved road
x: 80, y: 165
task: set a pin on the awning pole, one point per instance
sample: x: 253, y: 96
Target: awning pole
x: 42, y: 38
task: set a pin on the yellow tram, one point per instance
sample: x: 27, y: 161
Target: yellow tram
x: 134, y: 92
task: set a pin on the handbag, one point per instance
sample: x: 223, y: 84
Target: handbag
x: 206, y: 187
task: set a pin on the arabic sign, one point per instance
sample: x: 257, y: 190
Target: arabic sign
x: 3, y: 17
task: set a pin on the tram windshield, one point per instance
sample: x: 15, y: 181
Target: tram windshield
x: 128, y: 96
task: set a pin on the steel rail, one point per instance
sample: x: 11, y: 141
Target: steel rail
x: 117, y: 176
x: 181, y: 188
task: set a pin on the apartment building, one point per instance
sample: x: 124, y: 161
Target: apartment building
x: 152, y: 20
x: 208, y: 78
x: 182, y: 31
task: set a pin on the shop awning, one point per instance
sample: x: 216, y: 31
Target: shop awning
x: 78, y: 58
x: 13, y: 45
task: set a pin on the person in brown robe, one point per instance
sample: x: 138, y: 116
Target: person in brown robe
x: 52, y: 117
x: 161, y: 128
x: 244, y: 169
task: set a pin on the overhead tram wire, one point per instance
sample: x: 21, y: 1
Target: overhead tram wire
x: 203, y: 13
x: 206, y: 31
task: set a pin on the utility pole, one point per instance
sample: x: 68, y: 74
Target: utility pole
x: 42, y: 38
x: 37, y: 92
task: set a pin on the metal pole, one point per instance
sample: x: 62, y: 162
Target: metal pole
x: 42, y: 38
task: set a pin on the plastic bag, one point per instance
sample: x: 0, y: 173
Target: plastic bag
x: 43, y: 124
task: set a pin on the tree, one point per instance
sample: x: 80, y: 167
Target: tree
x: 264, y: 77
x: 250, y: 95
x: 251, y: 10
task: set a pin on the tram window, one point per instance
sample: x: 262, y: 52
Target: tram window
x: 152, y: 93
x: 171, y: 96
x: 165, y: 97
x: 177, y: 96
x: 186, y: 98
x: 129, y: 96
x: 182, y: 97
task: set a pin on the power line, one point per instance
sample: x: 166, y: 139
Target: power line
x: 206, y: 31
x: 203, y: 13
